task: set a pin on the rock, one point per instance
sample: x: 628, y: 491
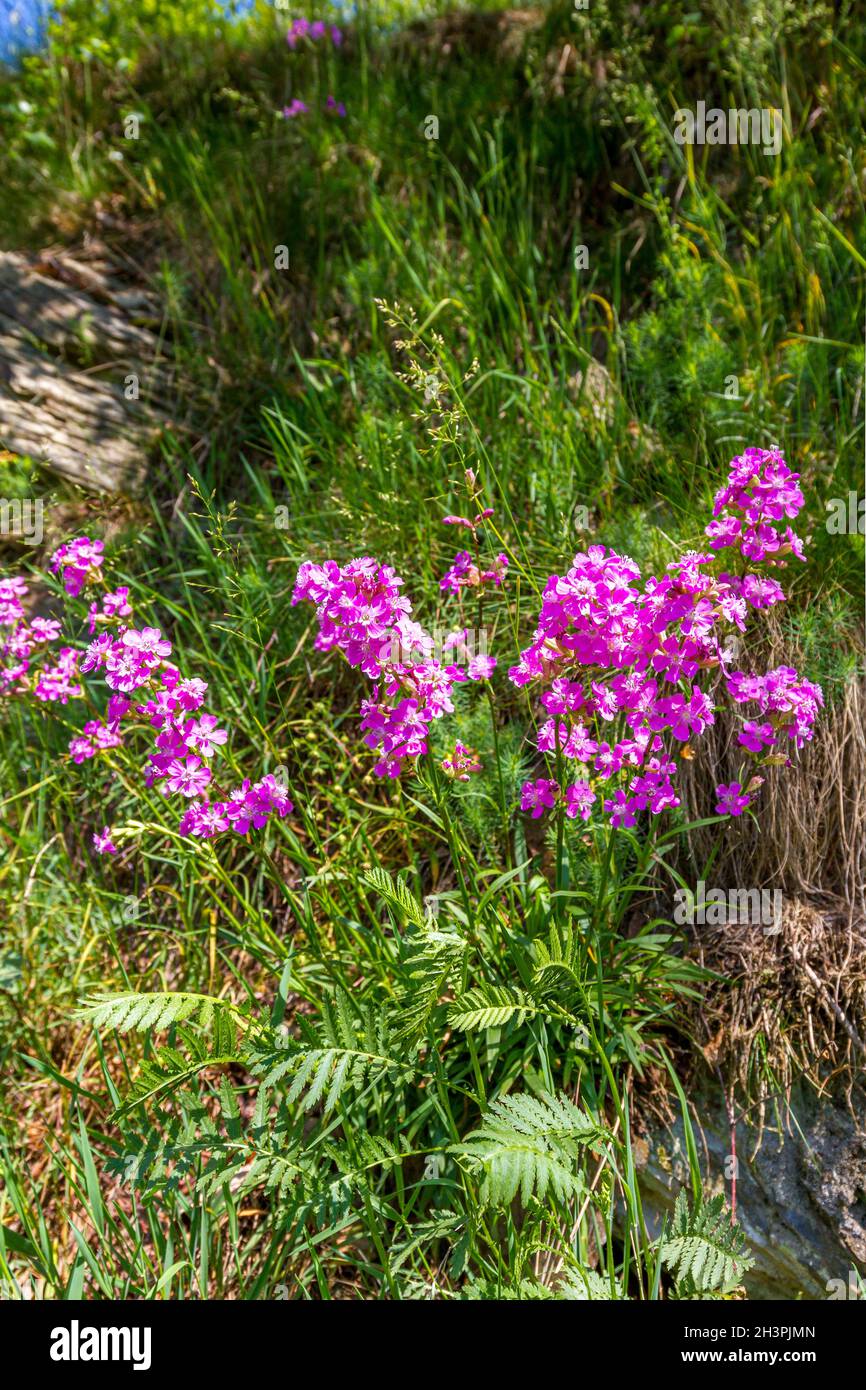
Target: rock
x: 801, y: 1198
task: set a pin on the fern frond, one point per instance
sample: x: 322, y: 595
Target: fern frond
x: 170, y: 1068
x: 557, y: 969
x: 532, y: 1146
x: 705, y: 1251
x: 350, y: 1055
x: 427, y: 974
x: 445, y: 1225
x: 326, y: 1071
x: 580, y: 1285
x: 395, y: 892
x: 491, y: 1006
x: 586, y: 1286
x: 150, y: 1012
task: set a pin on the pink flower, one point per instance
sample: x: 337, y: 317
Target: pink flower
x: 114, y: 605
x: 300, y: 29
x: 131, y: 659
x: 361, y: 612
x: 579, y: 745
x: 481, y: 668
x: 103, y: 842
x: 149, y: 643
x: 125, y: 670
x: 762, y: 592
x: 59, y: 683
x: 204, y: 819
x: 578, y: 800
x: 464, y: 520
x: 755, y: 736
x: 203, y: 736
x: 104, y: 736
x: 11, y: 593
x: 622, y: 809
x: 116, y: 709
x: 642, y: 646
x: 731, y: 800
x: 78, y: 563
x: 762, y: 489
x: 538, y: 796
x: 464, y: 572
x: 462, y: 763
x: 782, y: 692
x: 189, y: 693
x: 161, y: 709
x: 552, y: 735
x: 97, y: 652
x: 80, y: 749
x: 44, y: 629
x: 188, y: 776
x: 252, y: 805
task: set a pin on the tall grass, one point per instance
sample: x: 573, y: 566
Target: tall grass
x: 704, y: 266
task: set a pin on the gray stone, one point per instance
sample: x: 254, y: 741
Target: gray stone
x: 801, y: 1198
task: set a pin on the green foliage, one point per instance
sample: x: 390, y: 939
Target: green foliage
x: 559, y: 963
x: 169, y: 1067
x: 705, y: 1251
x: 489, y: 1006
x: 530, y: 1146
x: 397, y: 894
x: 304, y: 1071
x: 431, y: 959
x: 149, y: 1012
x: 578, y: 1286
x: 354, y: 1055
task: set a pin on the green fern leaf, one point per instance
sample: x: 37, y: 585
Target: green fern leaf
x: 530, y: 1146
x: 397, y: 894
x: 349, y: 1055
x: 705, y: 1251
x: 427, y: 974
x: 490, y: 1006
x: 150, y: 1012
x: 170, y: 1068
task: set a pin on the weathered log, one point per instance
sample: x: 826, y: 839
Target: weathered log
x: 95, y: 424
x: 61, y: 317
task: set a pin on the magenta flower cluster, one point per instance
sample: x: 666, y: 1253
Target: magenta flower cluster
x: 464, y: 573
x: 467, y: 572
x: 629, y: 670
x: 619, y: 661
x: 297, y: 107
x: 77, y: 563
x: 461, y: 763
x: 147, y: 693
x: 362, y: 613
x: 27, y: 666
x: 760, y: 492
x: 313, y: 29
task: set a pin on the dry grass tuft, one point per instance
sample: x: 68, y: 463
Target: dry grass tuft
x: 812, y: 816
x: 791, y: 1002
